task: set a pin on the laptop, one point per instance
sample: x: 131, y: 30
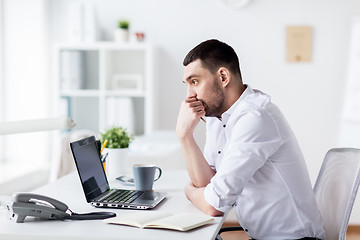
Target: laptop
x: 86, y: 153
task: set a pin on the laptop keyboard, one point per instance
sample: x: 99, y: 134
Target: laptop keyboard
x: 123, y: 196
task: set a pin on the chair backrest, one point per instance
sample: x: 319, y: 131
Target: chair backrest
x: 335, y: 190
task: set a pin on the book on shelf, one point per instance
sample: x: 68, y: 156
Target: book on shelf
x: 157, y: 219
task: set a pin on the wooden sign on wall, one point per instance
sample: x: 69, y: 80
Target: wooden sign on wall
x: 298, y: 43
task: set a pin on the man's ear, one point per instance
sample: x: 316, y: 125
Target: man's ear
x: 224, y: 76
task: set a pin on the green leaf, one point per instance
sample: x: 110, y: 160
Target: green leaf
x: 123, y: 24
x: 117, y: 137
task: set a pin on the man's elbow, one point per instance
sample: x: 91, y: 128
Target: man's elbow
x: 200, y: 183
x: 213, y: 212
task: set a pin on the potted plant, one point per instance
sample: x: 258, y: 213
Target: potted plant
x: 121, y: 33
x: 124, y: 24
x: 117, y: 141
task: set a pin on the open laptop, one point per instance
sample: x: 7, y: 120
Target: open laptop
x: 86, y: 153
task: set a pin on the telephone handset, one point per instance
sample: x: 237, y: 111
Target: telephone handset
x: 28, y: 204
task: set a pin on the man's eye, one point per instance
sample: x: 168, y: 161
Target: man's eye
x: 194, y: 81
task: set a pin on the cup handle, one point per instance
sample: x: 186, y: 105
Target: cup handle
x: 160, y: 172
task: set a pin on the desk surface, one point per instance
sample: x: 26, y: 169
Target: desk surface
x: 68, y: 190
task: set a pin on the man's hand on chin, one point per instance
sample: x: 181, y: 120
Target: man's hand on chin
x: 191, y: 110
x: 196, y: 196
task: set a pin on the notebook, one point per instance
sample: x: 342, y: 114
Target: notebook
x: 86, y: 153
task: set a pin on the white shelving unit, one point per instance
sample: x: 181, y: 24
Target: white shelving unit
x: 96, y: 74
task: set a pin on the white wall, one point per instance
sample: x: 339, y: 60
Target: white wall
x: 309, y: 94
x: 24, y: 72
x: 2, y: 92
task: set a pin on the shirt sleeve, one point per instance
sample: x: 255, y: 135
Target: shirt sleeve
x: 252, y: 140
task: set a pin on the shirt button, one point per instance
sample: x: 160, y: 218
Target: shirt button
x: 219, y: 152
x: 246, y: 230
x: 224, y: 125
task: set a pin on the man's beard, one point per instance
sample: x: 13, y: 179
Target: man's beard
x: 214, y: 106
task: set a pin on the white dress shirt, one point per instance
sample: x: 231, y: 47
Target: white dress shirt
x: 260, y: 171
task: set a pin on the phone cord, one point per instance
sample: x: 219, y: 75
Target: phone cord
x: 90, y: 216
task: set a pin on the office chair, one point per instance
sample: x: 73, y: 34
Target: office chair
x: 335, y: 191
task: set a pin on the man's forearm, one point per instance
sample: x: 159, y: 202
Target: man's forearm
x: 199, y: 170
x: 196, y: 196
x: 191, y: 111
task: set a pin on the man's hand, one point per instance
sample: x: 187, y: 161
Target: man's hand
x: 196, y: 196
x: 191, y: 111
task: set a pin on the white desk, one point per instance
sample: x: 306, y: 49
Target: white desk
x: 68, y: 190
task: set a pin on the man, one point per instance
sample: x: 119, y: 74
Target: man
x: 251, y: 160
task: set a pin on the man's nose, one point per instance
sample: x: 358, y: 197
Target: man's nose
x: 191, y: 93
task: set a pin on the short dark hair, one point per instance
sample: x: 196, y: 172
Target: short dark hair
x: 213, y: 55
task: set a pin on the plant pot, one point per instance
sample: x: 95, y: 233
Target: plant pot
x: 116, y: 162
x: 121, y: 35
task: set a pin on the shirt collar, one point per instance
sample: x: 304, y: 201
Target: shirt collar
x: 226, y: 115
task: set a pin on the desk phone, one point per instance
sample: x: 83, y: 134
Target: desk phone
x: 39, y: 206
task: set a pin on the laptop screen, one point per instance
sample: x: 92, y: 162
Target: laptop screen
x: 87, y: 159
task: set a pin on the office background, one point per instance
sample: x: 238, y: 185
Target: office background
x: 310, y: 94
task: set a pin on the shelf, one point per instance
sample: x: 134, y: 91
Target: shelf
x: 105, y: 45
x: 105, y: 83
x: 79, y: 93
x: 97, y: 93
x: 124, y: 93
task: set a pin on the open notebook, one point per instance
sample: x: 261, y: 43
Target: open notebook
x: 158, y: 219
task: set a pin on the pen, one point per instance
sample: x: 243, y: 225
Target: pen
x: 104, y: 158
x: 104, y: 145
